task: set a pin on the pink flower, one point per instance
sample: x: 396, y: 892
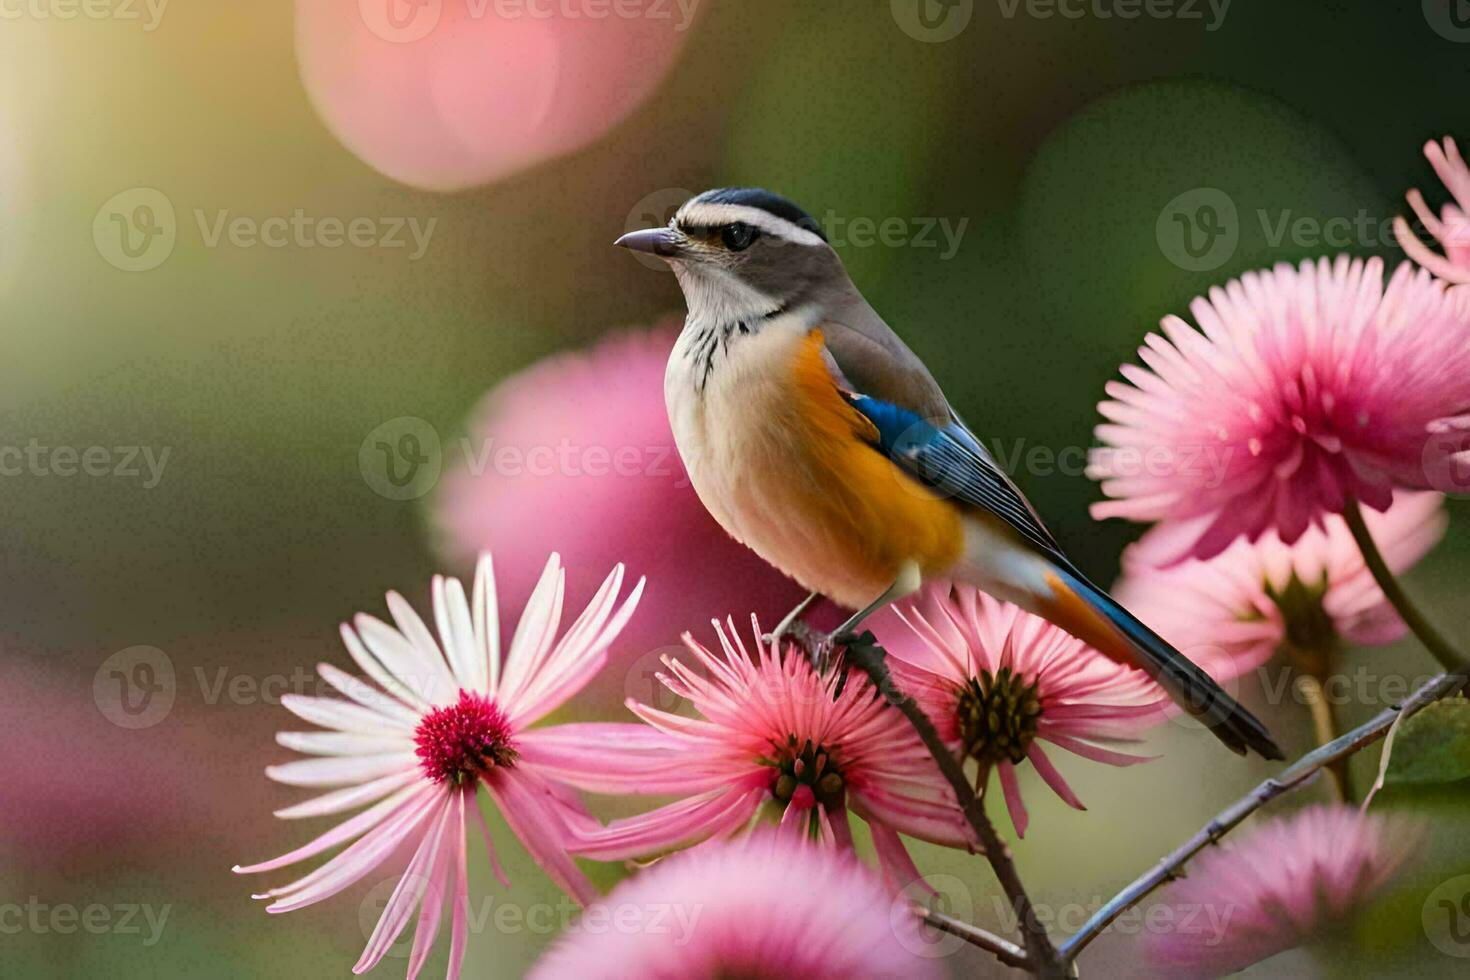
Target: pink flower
x: 1276, y: 886
x: 578, y: 455
x: 767, y: 905
x: 446, y: 717
x: 1302, y: 388
x: 772, y: 731
x: 997, y: 681
x: 1452, y: 228
x: 1232, y: 613
x: 444, y: 94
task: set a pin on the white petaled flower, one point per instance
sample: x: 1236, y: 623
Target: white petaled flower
x: 442, y: 717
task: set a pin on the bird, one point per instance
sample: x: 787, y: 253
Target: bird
x: 816, y: 437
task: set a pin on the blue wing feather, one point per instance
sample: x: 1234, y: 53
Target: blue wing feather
x: 952, y: 461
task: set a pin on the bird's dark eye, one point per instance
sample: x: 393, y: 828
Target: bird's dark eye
x: 738, y: 236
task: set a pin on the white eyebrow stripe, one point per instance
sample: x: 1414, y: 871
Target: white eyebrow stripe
x: 704, y: 215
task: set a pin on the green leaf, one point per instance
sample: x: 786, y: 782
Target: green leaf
x: 1434, y: 745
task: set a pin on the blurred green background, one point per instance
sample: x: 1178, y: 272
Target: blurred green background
x: 1053, y: 145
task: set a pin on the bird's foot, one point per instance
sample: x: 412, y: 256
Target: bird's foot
x: 819, y: 647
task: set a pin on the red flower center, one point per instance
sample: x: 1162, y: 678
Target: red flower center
x: 462, y: 742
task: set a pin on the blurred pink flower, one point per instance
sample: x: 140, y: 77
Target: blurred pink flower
x: 445, y: 94
x: 1302, y: 388
x: 765, y: 906
x: 54, y: 814
x: 1272, y: 888
x: 578, y: 455
x: 997, y: 681
x: 1452, y: 228
x: 1232, y: 613
x: 770, y: 730
x: 446, y: 717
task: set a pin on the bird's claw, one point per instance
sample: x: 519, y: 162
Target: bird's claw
x: 818, y: 646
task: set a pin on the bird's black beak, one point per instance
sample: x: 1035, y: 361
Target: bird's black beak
x: 663, y: 242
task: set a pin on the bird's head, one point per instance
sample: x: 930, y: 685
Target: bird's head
x: 741, y: 252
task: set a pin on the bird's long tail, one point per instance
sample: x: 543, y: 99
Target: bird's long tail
x: 1089, y: 613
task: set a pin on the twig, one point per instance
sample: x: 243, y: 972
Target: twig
x: 1290, y: 778
x: 1434, y: 641
x: 1040, y: 956
x: 1324, y: 723
x: 1004, y: 950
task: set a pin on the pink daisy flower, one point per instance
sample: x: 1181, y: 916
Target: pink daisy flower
x: 1301, y: 388
x: 998, y: 681
x: 579, y: 456
x: 1231, y: 614
x: 1452, y: 228
x: 767, y: 906
x: 444, y: 718
x: 770, y: 730
x: 1278, y: 885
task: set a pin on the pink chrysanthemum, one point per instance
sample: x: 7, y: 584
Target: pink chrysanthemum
x: 998, y: 681
x: 1301, y: 389
x: 1275, y: 887
x: 1232, y: 613
x: 765, y: 906
x: 1452, y: 228
x: 578, y: 455
x: 446, y: 717
x: 771, y: 730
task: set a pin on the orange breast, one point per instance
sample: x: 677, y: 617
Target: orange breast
x: 864, y: 505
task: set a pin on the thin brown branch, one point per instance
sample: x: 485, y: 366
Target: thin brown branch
x: 1003, y: 949
x: 1041, y: 957
x: 1290, y: 778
